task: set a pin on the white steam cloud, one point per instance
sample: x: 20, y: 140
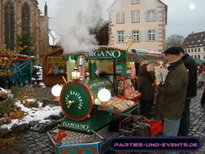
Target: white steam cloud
x: 72, y: 24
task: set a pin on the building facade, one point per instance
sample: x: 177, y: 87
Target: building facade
x: 138, y: 24
x: 19, y: 16
x: 194, y: 45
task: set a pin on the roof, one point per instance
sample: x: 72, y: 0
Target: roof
x: 55, y: 51
x: 194, y: 40
x: 109, y: 8
x: 162, y: 2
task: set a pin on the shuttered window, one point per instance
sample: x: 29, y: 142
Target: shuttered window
x: 135, y: 1
x: 120, y: 17
x: 120, y: 36
x: 151, y: 15
x: 151, y: 35
x: 136, y: 36
x: 135, y: 15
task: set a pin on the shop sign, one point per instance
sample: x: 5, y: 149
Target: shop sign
x: 78, y: 96
x: 76, y: 101
x: 106, y: 54
x: 121, y: 68
x: 76, y: 125
x: 100, y: 83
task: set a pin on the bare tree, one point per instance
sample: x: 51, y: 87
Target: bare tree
x: 174, y: 40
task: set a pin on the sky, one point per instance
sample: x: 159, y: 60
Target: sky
x: 184, y: 16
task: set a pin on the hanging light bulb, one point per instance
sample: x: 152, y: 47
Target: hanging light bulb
x: 75, y: 75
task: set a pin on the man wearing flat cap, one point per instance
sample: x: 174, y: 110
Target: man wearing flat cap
x: 171, y: 95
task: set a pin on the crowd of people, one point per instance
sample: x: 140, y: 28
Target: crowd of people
x: 171, y: 97
x: 10, y: 75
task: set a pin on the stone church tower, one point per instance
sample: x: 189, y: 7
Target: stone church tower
x: 18, y: 16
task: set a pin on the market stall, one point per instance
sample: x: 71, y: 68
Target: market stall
x: 54, y: 67
x: 98, y: 87
x: 25, y: 64
x: 15, y: 69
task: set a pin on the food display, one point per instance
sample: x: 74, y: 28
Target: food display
x: 128, y: 90
x: 119, y: 104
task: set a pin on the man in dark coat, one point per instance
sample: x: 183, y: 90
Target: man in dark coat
x: 171, y: 95
x: 191, y: 65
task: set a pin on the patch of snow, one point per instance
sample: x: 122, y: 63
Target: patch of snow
x: 42, y: 84
x: 34, y: 114
x: 3, y: 90
x: 31, y: 100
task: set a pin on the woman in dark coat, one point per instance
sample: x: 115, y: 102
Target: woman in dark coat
x: 146, y: 79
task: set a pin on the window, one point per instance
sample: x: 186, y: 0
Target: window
x: 151, y: 15
x: 25, y: 18
x: 135, y: 1
x: 136, y: 36
x: 151, y: 35
x: 198, y: 49
x: 135, y: 15
x: 120, y: 36
x: 9, y: 24
x: 120, y: 17
x: 204, y: 49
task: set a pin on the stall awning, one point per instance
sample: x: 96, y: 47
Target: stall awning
x: 145, y: 57
x: 22, y: 57
x: 199, y: 61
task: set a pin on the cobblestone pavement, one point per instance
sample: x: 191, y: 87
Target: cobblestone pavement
x: 30, y: 142
x: 197, y: 119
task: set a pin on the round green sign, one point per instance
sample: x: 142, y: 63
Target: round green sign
x: 76, y: 101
